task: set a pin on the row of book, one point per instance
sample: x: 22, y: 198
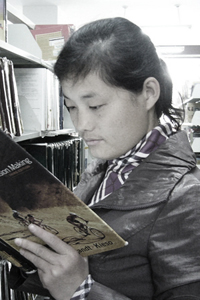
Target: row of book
x: 6, y: 293
x: 10, y: 114
x: 30, y: 99
x: 40, y: 99
x: 62, y: 155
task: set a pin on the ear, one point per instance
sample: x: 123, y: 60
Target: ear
x: 151, y: 90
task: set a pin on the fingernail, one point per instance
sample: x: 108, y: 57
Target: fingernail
x: 18, y: 241
x: 31, y: 227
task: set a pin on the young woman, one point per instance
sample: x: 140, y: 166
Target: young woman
x: 143, y: 182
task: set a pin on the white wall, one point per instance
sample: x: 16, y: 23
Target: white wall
x: 166, y: 22
x: 43, y: 14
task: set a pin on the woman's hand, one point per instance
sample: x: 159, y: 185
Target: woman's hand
x: 62, y: 271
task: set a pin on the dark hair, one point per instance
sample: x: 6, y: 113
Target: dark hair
x: 122, y: 55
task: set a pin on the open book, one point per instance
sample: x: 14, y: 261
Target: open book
x: 29, y: 193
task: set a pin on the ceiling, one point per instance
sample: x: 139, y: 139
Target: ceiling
x: 166, y: 21
x: 123, y: 2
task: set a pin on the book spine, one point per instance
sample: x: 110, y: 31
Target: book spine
x: 2, y: 115
x: 8, y: 93
x: 61, y: 106
x: 4, y: 101
x: 15, y: 100
x: 8, y: 293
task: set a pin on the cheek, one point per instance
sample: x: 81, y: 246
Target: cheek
x: 73, y: 120
x: 124, y: 120
x: 130, y: 125
x: 73, y: 117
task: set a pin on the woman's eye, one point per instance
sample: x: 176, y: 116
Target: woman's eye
x: 96, y: 107
x: 70, y: 108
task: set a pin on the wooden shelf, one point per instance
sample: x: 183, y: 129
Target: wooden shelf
x: 26, y: 136
x: 35, y: 134
x: 57, y: 132
x: 22, y: 58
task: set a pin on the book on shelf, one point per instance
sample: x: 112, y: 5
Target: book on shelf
x: 2, y: 115
x: 5, y: 67
x: 15, y: 100
x: 29, y: 193
x: 6, y: 293
x: 62, y: 155
x: 38, y: 92
x: 10, y: 112
x: 51, y: 38
x: 61, y: 108
x: 4, y: 100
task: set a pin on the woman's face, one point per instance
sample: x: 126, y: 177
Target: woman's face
x: 111, y: 120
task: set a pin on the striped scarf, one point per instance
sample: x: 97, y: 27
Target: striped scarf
x: 119, y: 169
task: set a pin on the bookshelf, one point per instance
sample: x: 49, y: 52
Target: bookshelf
x: 60, y: 150
x: 192, y: 120
x: 27, y: 56
x: 23, y: 59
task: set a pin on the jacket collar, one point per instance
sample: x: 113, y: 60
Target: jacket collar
x: 150, y: 183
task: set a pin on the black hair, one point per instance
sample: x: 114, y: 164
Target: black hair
x: 122, y: 55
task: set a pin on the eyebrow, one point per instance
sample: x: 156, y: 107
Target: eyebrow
x: 86, y: 96
x: 89, y: 95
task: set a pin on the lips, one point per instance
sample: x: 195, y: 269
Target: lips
x: 92, y: 141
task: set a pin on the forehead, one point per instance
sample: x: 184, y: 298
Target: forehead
x: 92, y: 84
x: 93, y: 87
x: 87, y: 80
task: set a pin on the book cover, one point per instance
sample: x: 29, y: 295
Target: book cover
x: 15, y: 100
x: 53, y: 99
x: 51, y: 38
x: 29, y: 193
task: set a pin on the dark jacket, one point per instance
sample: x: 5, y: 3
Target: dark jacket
x: 157, y: 211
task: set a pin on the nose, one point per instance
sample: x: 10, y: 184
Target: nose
x: 84, y: 121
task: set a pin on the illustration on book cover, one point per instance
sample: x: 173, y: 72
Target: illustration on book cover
x: 29, y: 193
x: 80, y: 226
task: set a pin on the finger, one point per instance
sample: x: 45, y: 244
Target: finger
x: 40, y: 263
x: 31, y: 250
x: 51, y: 240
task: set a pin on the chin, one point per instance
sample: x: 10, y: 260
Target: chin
x: 104, y: 156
